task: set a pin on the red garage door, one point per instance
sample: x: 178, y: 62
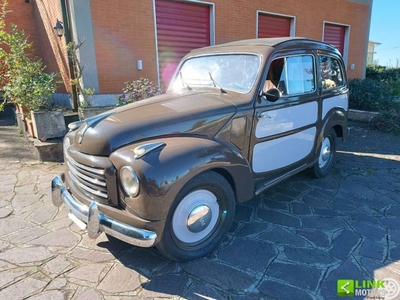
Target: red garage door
x: 181, y: 27
x: 334, y: 35
x: 270, y: 26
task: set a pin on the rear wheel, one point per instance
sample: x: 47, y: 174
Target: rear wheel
x: 199, y: 218
x: 326, y: 157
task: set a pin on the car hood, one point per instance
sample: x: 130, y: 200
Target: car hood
x: 200, y: 113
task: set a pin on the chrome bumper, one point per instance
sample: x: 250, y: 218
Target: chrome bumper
x: 96, y: 221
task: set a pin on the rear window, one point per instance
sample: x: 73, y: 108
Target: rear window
x: 331, y: 73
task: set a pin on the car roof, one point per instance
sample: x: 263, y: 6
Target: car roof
x: 261, y: 44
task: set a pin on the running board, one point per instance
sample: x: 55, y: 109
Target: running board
x: 268, y: 184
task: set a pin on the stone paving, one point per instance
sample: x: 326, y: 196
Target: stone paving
x: 292, y: 242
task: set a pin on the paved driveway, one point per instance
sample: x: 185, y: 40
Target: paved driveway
x: 292, y: 242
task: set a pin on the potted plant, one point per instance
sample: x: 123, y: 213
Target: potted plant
x: 137, y: 90
x: 3, y: 54
x: 86, y: 108
x: 48, y: 122
x: 29, y: 87
x: 32, y: 93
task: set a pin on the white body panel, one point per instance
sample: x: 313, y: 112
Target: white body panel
x: 281, y: 152
x: 336, y: 101
x: 286, y: 119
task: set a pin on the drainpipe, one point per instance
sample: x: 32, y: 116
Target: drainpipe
x: 67, y: 33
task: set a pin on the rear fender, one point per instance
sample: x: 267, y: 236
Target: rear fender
x: 336, y: 119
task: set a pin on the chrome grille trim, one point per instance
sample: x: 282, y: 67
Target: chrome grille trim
x: 88, y: 184
x: 84, y: 177
x: 89, y: 179
x: 89, y: 169
x: 90, y: 190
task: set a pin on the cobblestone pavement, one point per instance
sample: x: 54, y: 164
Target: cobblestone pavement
x: 292, y: 242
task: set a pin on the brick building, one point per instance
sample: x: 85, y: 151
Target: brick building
x: 129, y: 39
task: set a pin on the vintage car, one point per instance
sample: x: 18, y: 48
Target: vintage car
x: 236, y: 119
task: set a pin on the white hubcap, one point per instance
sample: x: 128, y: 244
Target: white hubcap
x: 325, y: 153
x: 196, y: 216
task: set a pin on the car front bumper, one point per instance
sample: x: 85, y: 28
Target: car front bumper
x: 96, y: 222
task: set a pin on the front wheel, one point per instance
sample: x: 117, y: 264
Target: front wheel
x: 199, y: 218
x: 327, y: 155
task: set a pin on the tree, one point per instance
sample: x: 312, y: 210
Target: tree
x: 23, y: 79
x: 86, y: 93
x: 3, y: 40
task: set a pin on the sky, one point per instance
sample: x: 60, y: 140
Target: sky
x: 385, y: 29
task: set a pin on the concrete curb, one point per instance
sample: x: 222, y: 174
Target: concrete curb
x: 361, y: 115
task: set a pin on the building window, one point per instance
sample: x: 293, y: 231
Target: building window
x: 181, y: 27
x: 271, y: 25
x: 338, y: 36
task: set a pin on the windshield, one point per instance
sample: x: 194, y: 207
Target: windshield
x: 236, y: 72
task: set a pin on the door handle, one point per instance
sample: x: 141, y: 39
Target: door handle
x: 262, y: 116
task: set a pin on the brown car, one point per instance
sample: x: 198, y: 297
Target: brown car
x: 236, y: 119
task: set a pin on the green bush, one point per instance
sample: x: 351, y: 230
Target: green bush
x: 387, y: 121
x: 382, y: 73
x: 22, y: 78
x: 388, y: 77
x: 379, y: 91
x: 138, y: 90
x: 367, y: 94
x: 27, y: 84
x: 395, y: 87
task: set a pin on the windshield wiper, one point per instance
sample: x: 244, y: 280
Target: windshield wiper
x: 184, y: 82
x: 216, y: 84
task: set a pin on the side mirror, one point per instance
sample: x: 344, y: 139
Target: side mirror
x: 272, y: 95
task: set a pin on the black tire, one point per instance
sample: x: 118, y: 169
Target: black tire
x: 326, y: 157
x: 210, y: 200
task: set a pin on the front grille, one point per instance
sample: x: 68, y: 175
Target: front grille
x: 89, y: 179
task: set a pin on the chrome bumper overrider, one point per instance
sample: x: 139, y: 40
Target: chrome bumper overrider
x: 96, y: 221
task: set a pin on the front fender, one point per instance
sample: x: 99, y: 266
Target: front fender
x: 164, y: 171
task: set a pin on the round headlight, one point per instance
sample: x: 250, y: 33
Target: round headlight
x: 129, y: 181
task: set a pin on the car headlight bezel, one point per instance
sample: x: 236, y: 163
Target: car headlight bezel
x: 66, y: 145
x: 129, y: 181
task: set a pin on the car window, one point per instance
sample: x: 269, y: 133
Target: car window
x: 236, y: 72
x: 331, y: 73
x: 292, y: 75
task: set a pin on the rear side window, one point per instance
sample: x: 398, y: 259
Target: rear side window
x: 331, y: 73
x: 292, y: 75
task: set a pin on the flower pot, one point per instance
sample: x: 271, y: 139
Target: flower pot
x: 29, y: 127
x: 21, y: 110
x: 48, y: 124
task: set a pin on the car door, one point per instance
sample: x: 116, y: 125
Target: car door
x: 284, y: 132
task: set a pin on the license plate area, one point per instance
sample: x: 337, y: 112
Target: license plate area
x: 78, y: 222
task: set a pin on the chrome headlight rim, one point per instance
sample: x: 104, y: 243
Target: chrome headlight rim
x: 66, y: 145
x: 75, y: 125
x: 129, y: 181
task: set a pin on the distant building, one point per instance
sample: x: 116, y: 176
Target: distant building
x: 371, y: 52
x: 129, y: 39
